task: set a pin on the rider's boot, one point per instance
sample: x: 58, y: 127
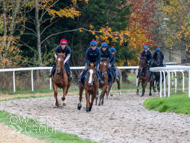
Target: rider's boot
x: 83, y: 73
x: 101, y: 81
x: 52, y: 71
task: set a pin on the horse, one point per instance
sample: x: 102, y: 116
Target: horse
x: 104, y: 76
x: 91, y: 86
x: 113, y: 81
x: 144, y: 76
x: 60, y: 79
x: 157, y: 63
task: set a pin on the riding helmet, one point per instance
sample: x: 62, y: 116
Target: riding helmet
x: 112, y: 49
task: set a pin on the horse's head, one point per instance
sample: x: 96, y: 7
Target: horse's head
x: 158, y: 61
x: 143, y: 63
x: 60, y: 62
x: 91, y: 74
x: 104, y: 67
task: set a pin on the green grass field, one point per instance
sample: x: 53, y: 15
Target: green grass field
x: 33, y: 128
x: 178, y: 103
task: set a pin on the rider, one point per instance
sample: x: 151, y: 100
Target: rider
x: 105, y: 53
x: 158, y: 51
x: 147, y: 53
x: 62, y: 48
x: 112, y: 61
x: 92, y: 55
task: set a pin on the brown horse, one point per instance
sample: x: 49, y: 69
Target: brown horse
x: 144, y: 75
x: 60, y: 79
x: 113, y: 81
x: 91, y: 86
x: 104, y: 76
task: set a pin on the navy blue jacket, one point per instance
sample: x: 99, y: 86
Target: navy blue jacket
x: 155, y: 55
x: 148, y: 55
x: 105, y: 54
x: 112, y: 60
x: 92, y: 56
x: 67, y: 50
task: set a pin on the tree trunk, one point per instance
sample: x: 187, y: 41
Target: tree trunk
x: 13, y: 24
x: 38, y: 32
x: 5, y: 27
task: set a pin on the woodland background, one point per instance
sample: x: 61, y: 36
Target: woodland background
x: 31, y: 29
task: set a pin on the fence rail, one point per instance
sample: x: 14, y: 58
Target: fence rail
x: 49, y: 68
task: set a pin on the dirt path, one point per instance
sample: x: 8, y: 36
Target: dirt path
x: 8, y: 135
x: 122, y: 119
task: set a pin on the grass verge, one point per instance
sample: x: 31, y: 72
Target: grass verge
x: 33, y: 128
x: 178, y: 103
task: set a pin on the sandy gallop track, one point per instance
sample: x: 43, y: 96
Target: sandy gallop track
x: 122, y: 119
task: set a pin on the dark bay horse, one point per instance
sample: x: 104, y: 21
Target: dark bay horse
x: 60, y: 79
x: 144, y: 76
x: 104, y: 76
x: 91, y: 86
x: 113, y: 81
x: 157, y: 63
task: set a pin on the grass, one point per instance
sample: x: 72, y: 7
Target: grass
x: 33, y: 128
x: 178, y: 103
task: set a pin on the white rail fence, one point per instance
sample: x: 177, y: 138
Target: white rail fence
x: 172, y: 70
x: 49, y: 68
x: 169, y: 69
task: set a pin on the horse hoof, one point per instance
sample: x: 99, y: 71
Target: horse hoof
x: 64, y: 104
x: 87, y: 109
x: 150, y: 94
x: 79, y: 107
x: 99, y: 104
x: 111, y: 94
x: 57, y: 105
x: 90, y: 109
x: 142, y: 95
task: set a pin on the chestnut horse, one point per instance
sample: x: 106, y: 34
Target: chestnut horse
x: 60, y: 79
x: 113, y: 81
x: 144, y: 75
x: 91, y: 86
x: 104, y: 76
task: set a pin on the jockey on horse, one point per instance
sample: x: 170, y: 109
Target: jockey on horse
x: 147, y: 53
x: 112, y: 62
x: 158, y: 51
x: 62, y: 48
x: 92, y: 56
x: 105, y: 54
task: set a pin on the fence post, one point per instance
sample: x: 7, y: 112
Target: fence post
x: 175, y: 82
x: 160, y: 84
x: 32, y: 80
x: 50, y: 83
x: 169, y: 83
x: 14, y: 88
x: 189, y: 83
x: 136, y: 77
x: 164, y: 84
x: 183, y: 88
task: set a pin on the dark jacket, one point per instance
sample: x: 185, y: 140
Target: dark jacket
x: 105, y: 54
x: 148, y: 55
x: 155, y: 56
x: 112, y: 60
x: 67, y: 50
x: 92, y: 56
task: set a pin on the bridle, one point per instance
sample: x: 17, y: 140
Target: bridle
x: 61, y: 64
x: 103, y: 72
x: 141, y: 68
x: 93, y: 82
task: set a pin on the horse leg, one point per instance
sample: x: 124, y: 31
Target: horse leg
x: 55, y: 95
x: 151, y: 84
x: 80, y: 97
x: 64, y: 95
x: 138, y: 87
x: 118, y: 86
x: 154, y: 86
x: 109, y: 88
x: 144, y: 86
x: 92, y: 100
x: 158, y: 85
x: 87, y: 101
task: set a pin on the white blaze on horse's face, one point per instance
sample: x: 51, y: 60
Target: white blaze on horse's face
x: 90, y: 76
x: 59, y: 59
